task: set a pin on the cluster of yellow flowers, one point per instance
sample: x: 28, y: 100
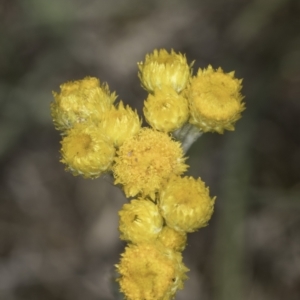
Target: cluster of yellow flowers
x: 148, y: 163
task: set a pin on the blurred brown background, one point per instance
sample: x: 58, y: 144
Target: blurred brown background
x: 58, y: 233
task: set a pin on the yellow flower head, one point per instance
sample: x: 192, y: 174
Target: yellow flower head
x: 215, y: 100
x: 172, y: 239
x: 165, y: 110
x: 150, y: 272
x: 164, y: 69
x: 140, y: 221
x: 85, y: 151
x: 185, y: 204
x: 144, y: 161
x: 120, y: 123
x: 80, y: 101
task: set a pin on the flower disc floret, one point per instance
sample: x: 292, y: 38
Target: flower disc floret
x: 80, y: 101
x: 214, y: 99
x: 150, y: 272
x: 185, y: 204
x: 165, y: 110
x: 147, y: 159
x: 161, y: 68
x: 86, y: 152
x: 140, y: 221
x: 120, y: 123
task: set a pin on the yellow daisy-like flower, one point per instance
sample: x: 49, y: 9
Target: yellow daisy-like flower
x: 165, y: 110
x: 172, y: 239
x: 150, y: 272
x: 80, y: 101
x: 140, y: 221
x: 86, y: 152
x: 185, y: 204
x: 214, y: 99
x: 144, y: 161
x: 164, y: 69
x: 120, y: 123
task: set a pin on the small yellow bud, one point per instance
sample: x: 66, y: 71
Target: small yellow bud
x: 86, y: 152
x: 120, y: 123
x: 214, y: 99
x: 140, y: 221
x: 164, y: 69
x: 150, y: 272
x: 165, y: 110
x: 80, y: 101
x: 172, y: 239
x: 145, y: 160
x: 185, y: 204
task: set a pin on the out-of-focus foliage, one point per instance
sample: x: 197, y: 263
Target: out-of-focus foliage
x: 58, y: 234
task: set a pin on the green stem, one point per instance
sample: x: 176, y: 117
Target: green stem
x: 187, y: 135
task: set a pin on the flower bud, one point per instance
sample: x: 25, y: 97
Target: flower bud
x: 214, y: 99
x: 164, y: 69
x: 86, y: 152
x: 120, y: 123
x: 165, y: 110
x: 140, y: 221
x: 150, y: 271
x: 185, y: 204
x: 172, y: 239
x: 80, y: 101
